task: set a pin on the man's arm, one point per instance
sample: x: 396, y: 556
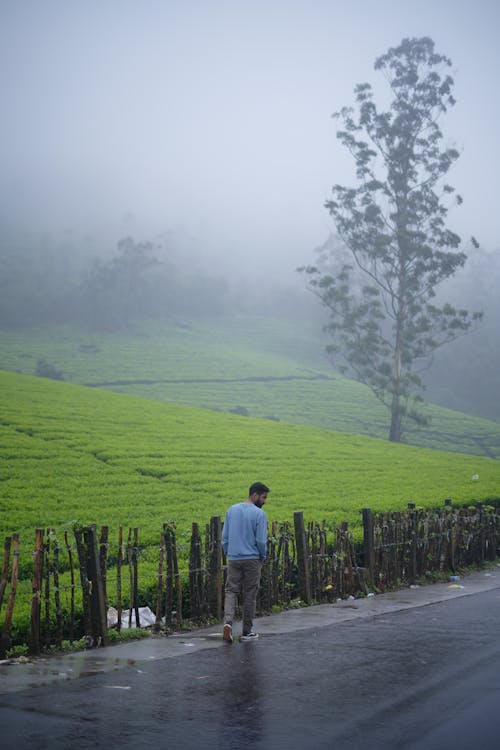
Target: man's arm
x: 225, y: 533
x: 261, y: 535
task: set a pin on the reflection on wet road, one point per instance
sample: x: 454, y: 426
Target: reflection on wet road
x: 406, y: 679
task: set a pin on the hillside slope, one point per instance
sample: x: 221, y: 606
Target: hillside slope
x: 71, y: 453
x: 254, y: 366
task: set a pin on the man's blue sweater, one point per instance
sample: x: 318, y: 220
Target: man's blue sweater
x: 244, y: 535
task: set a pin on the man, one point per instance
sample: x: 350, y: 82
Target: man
x: 244, y: 541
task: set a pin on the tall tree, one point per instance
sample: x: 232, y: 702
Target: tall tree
x: 116, y: 292
x: 382, y: 318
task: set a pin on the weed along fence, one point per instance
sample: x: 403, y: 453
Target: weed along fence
x: 63, y: 587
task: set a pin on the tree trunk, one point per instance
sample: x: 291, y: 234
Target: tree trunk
x: 396, y: 411
x: 395, y: 430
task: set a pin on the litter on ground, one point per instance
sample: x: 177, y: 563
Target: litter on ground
x: 147, y: 618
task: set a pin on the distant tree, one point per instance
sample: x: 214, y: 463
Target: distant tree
x: 45, y: 369
x: 116, y: 292
x: 383, y: 321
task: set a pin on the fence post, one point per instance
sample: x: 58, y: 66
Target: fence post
x: 482, y: 534
x: 97, y: 603
x: 36, y: 595
x: 5, y: 569
x: 57, y: 594
x: 103, y: 559
x: 168, y: 530
x: 5, y: 639
x: 82, y: 565
x: 159, y: 584
x: 346, y: 554
x: 215, y: 568
x: 135, y: 573
x: 72, y: 595
x: 413, y: 541
x: 302, y: 557
x: 368, y: 545
x: 177, y: 582
x: 130, y: 558
x: 196, y: 597
x: 94, y: 608
x: 452, y: 524
x: 119, y: 563
x: 46, y: 593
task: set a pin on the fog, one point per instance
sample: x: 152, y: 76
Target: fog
x: 211, y: 120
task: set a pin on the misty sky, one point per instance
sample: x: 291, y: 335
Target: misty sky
x: 213, y: 117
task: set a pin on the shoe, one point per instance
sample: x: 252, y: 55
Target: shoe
x: 227, y: 633
x: 249, y: 637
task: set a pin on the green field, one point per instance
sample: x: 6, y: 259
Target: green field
x: 143, y: 455
x: 69, y: 453
x: 266, y: 368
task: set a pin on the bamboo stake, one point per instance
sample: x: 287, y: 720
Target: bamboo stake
x: 5, y: 569
x: 131, y: 577
x: 178, y: 582
x: 159, y: 584
x: 167, y: 528
x: 72, y: 594
x: 57, y: 594
x: 195, y: 572
x: 103, y: 559
x: 5, y: 639
x: 135, y: 558
x: 82, y: 562
x: 97, y: 605
x: 47, y: 567
x: 281, y: 565
x: 36, y: 593
x: 119, y: 563
x: 302, y: 557
x: 215, y: 567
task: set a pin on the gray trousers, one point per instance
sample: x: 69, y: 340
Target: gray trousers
x: 242, y: 576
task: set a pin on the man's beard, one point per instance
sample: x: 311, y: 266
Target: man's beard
x: 259, y: 503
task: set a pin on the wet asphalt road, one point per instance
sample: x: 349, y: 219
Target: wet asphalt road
x: 427, y: 677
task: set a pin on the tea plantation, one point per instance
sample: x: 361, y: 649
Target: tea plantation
x: 255, y: 366
x: 69, y: 453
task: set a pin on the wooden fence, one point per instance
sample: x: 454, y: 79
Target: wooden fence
x: 305, y: 563
x: 402, y: 547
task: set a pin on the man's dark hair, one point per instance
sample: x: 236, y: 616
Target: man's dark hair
x: 259, y: 488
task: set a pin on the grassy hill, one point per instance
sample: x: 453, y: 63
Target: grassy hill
x: 71, y: 453
x: 260, y: 367
x: 145, y: 454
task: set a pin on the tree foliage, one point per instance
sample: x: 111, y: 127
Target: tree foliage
x: 117, y: 291
x: 383, y: 320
